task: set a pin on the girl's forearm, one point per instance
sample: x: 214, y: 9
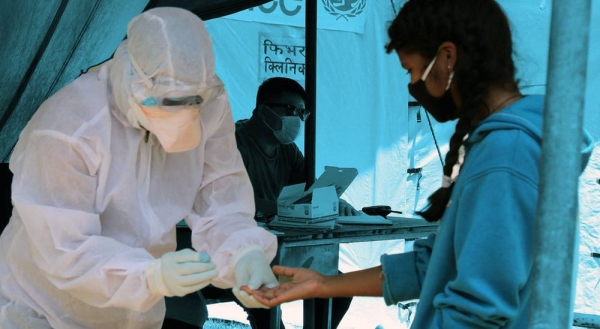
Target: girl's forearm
x: 359, y: 283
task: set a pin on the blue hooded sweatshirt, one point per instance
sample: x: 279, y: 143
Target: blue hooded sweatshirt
x: 476, y: 271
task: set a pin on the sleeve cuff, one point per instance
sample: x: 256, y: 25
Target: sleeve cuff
x: 155, y: 280
x: 400, y: 280
x: 240, y: 253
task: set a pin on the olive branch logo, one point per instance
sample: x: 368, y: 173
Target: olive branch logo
x: 355, y: 11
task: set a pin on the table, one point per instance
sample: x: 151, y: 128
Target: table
x: 319, y: 250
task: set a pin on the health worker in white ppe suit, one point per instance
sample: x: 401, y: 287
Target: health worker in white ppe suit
x: 104, y: 171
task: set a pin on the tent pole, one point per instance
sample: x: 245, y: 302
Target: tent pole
x: 556, y: 234
x: 311, y: 122
x: 311, y: 88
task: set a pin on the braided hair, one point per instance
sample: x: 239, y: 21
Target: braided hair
x: 480, y: 30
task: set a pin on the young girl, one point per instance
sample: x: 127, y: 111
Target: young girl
x: 476, y: 272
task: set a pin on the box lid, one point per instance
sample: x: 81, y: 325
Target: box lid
x: 341, y: 178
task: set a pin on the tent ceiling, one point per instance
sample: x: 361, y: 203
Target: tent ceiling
x: 47, y: 44
x: 208, y: 9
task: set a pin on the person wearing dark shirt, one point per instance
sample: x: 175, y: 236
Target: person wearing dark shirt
x: 273, y: 160
x: 269, y: 169
x: 266, y: 143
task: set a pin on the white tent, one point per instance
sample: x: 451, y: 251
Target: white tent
x: 364, y: 120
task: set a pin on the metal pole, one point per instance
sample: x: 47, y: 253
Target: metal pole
x: 557, y: 223
x: 310, y: 130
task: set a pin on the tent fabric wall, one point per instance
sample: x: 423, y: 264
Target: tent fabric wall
x: 47, y: 44
x: 364, y: 120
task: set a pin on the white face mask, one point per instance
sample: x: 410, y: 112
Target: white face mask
x: 290, y: 129
x: 177, y: 131
x: 290, y: 125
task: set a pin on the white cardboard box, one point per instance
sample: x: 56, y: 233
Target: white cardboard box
x: 320, y: 202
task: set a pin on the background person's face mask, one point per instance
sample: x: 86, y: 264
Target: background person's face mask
x: 441, y: 108
x: 290, y: 125
x: 177, y: 131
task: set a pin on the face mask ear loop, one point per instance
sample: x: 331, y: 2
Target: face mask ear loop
x: 262, y: 114
x: 428, y: 69
x: 450, y: 80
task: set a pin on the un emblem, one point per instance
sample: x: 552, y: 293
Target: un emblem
x: 344, y: 8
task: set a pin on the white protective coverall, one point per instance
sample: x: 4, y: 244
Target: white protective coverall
x: 96, y: 199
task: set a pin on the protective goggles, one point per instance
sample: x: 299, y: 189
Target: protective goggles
x: 177, y: 100
x: 290, y: 110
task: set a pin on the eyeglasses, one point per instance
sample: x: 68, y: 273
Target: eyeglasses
x: 290, y: 110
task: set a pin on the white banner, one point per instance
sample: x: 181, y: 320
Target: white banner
x: 341, y: 15
x: 281, y: 57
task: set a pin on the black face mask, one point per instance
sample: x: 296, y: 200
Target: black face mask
x: 441, y: 108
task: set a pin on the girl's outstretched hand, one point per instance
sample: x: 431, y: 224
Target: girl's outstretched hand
x: 303, y: 284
